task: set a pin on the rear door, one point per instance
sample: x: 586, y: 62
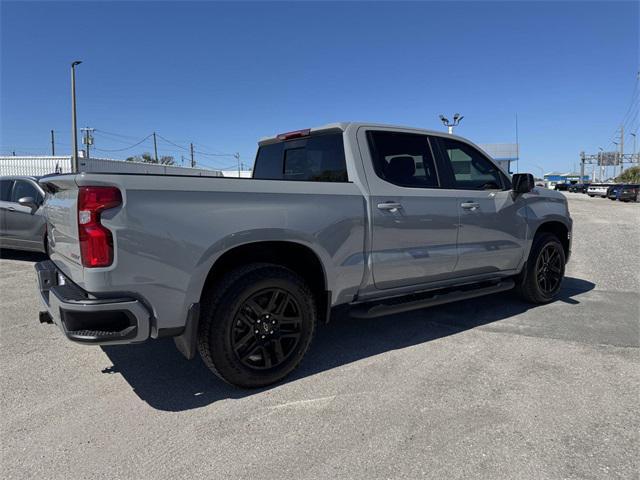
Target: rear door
x: 414, y: 221
x: 493, y: 225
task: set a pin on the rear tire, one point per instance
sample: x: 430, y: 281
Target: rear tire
x: 542, y: 275
x: 257, y: 324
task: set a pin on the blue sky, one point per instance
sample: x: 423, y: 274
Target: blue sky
x: 222, y: 75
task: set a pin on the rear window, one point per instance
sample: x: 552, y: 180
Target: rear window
x: 319, y: 158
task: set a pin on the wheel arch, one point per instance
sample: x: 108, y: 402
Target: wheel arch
x: 295, y: 256
x: 558, y: 229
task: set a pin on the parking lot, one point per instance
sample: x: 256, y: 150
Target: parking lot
x: 486, y: 388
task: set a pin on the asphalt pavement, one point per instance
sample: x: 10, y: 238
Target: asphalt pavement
x: 487, y: 388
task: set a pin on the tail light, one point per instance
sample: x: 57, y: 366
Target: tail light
x: 96, y: 241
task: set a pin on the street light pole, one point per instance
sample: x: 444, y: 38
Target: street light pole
x: 633, y: 157
x: 74, y: 129
x: 456, y: 121
x: 617, y: 157
x: 600, y: 160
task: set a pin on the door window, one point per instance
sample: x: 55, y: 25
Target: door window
x: 471, y: 169
x: 5, y: 190
x: 404, y: 159
x: 23, y: 188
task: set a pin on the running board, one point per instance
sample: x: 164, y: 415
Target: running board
x: 428, y: 299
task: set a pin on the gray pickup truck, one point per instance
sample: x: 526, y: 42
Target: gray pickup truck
x: 376, y: 218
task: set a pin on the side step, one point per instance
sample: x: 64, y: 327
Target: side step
x: 428, y: 299
x: 97, y: 336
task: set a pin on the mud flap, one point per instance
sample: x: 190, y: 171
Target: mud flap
x: 186, y: 343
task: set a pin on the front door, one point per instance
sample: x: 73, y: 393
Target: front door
x: 23, y: 227
x: 5, y: 203
x: 493, y: 223
x: 414, y: 221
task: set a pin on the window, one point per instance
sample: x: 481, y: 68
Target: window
x: 269, y: 162
x: 5, y: 190
x: 23, y: 188
x: 471, y: 169
x: 403, y: 159
x: 319, y: 158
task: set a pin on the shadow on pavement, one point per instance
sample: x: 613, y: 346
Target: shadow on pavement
x: 22, y: 255
x: 164, y: 379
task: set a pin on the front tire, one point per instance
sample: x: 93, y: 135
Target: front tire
x: 542, y: 275
x: 257, y: 324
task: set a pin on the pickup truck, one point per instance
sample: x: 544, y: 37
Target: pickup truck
x: 371, y: 218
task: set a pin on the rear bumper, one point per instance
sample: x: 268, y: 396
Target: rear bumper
x: 83, y: 318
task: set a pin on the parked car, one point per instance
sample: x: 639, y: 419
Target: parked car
x: 612, y: 191
x: 375, y: 218
x: 598, y: 189
x: 22, y: 225
x: 629, y: 192
x: 562, y: 187
x: 579, y: 187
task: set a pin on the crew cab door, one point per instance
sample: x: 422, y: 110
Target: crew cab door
x: 493, y: 223
x: 414, y: 223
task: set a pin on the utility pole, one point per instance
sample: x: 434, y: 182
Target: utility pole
x: 53, y: 145
x: 621, y: 149
x: 237, y: 156
x: 517, y: 148
x: 87, y: 138
x: 193, y: 161
x: 155, y: 146
x: 74, y: 128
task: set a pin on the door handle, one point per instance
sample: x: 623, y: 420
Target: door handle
x: 11, y: 209
x: 470, y: 205
x: 389, y: 206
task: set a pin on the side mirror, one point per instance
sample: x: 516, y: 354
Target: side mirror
x: 29, y: 202
x: 522, y: 183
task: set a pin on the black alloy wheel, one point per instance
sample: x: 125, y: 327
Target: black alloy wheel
x: 549, y: 269
x: 542, y: 275
x: 256, y: 324
x: 267, y: 329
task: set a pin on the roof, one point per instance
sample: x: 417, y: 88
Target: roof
x: 566, y: 174
x: 17, y: 177
x: 344, y: 125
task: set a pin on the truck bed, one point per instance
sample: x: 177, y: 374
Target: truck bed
x: 170, y: 230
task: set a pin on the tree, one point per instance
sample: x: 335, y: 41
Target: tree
x: 630, y: 175
x: 147, y: 158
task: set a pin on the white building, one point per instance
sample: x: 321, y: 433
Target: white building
x: 39, y: 166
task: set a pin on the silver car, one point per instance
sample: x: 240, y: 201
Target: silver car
x: 22, y: 225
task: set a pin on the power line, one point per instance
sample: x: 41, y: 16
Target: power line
x: 127, y: 148
x: 116, y: 134
x: 172, y: 143
x: 215, y: 154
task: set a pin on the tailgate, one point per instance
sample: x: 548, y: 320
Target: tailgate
x: 60, y: 210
